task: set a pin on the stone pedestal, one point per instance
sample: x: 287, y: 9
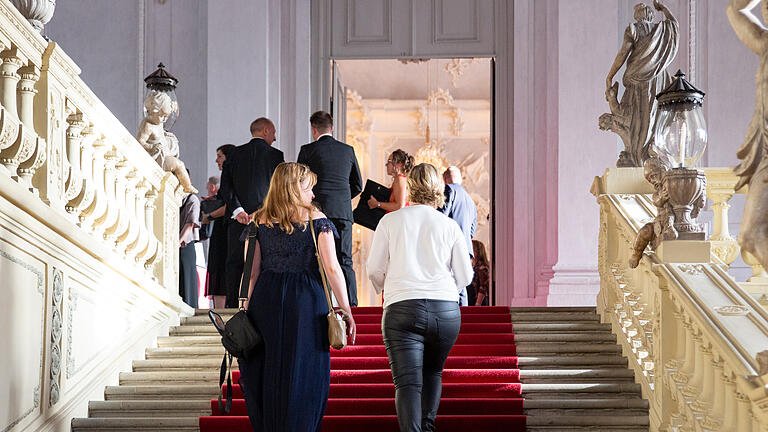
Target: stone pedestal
x: 625, y: 181
x: 684, y: 251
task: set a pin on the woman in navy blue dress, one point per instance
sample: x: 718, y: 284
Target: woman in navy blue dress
x: 286, y: 386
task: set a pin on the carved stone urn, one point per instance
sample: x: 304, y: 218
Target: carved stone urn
x: 687, y: 195
x: 37, y: 12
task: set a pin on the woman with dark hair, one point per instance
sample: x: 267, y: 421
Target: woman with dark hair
x: 217, y: 248
x: 399, y: 164
x: 477, y: 291
x: 419, y: 259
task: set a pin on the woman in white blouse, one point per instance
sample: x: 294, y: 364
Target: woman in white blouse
x: 419, y: 259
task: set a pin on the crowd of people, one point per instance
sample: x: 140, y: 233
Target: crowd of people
x: 422, y: 259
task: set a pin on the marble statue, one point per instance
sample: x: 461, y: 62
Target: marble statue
x: 753, y: 153
x: 161, y: 145
x: 648, y: 48
x: 662, y: 227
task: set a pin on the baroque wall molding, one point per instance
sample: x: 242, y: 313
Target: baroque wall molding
x: 40, y: 288
x: 56, y: 324
x: 456, y: 67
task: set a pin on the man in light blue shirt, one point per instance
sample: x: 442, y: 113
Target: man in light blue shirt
x: 460, y: 207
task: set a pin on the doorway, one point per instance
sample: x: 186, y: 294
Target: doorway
x: 439, y: 110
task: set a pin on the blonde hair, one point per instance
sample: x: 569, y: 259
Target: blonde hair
x: 425, y: 186
x: 283, y: 203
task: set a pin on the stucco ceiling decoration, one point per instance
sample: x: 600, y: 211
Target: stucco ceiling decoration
x: 437, y: 97
x: 456, y: 67
x: 359, y: 121
x: 413, y: 60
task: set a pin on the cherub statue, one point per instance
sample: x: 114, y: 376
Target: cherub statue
x: 753, y: 168
x: 648, y: 48
x: 161, y: 145
x: 662, y: 228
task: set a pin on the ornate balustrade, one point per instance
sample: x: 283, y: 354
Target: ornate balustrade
x: 691, y: 332
x: 61, y: 144
x: 88, y: 237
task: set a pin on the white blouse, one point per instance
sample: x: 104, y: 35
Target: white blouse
x: 419, y: 253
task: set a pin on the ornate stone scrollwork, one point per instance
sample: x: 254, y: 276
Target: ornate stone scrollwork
x: 56, y: 325
x: 456, y: 67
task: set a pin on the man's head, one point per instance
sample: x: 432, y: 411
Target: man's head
x: 212, y: 186
x: 643, y: 12
x: 263, y: 127
x: 452, y: 175
x: 322, y: 123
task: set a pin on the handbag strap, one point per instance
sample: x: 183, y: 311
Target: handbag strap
x: 246, y: 279
x: 320, y: 265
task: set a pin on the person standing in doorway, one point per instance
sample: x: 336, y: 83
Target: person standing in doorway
x: 244, y: 185
x: 460, y: 207
x: 338, y: 181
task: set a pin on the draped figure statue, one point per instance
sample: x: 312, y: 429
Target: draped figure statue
x: 753, y: 153
x: 647, y: 49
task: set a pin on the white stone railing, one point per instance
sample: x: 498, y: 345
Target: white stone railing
x: 64, y: 146
x: 88, y: 237
x: 691, y: 332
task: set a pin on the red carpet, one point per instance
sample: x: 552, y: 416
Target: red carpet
x: 480, y: 381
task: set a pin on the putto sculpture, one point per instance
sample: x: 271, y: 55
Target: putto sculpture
x: 163, y: 146
x: 648, y: 48
x: 753, y: 168
x: 662, y: 227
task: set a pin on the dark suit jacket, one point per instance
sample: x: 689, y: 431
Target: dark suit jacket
x: 338, y: 175
x: 460, y: 207
x: 246, y: 175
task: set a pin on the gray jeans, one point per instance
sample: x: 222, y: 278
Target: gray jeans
x: 418, y: 335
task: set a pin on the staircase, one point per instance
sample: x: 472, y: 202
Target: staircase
x: 572, y: 373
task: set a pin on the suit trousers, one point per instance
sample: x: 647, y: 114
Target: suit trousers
x: 344, y: 254
x: 418, y: 335
x: 235, y: 262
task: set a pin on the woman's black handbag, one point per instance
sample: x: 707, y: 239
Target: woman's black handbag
x: 239, y: 337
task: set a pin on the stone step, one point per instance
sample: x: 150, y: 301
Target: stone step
x: 186, y: 352
x: 207, y: 358
x: 185, y: 341
x: 152, y: 408
x: 520, y: 317
x: 520, y: 328
x: 179, y: 424
x: 553, y: 309
x: 211, y: 376
x: 586, y: 403
x: 581, y: 391
x: 592, y: 375
x: 548, y: 348
x: 590, y: 421
x: 200, y: 392
x: 592, y: 337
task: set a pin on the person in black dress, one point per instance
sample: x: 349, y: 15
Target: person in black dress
x: 244, y: 184
x: 286, y: 385
x: 215, y: 283
x: 338, y: 181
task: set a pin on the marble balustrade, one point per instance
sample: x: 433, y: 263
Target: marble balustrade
x: 690, y: 331
x: 88, y: 237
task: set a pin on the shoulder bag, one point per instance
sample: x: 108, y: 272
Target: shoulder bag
x: 239, y: 337
x: 337, y: 328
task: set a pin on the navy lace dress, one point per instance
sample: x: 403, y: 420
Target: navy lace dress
x: 286, y: 386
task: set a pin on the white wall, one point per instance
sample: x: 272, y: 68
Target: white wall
x: 236, y: 60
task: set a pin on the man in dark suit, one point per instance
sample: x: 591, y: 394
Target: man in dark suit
x: 338, y: 181
x: 244, y: 185
x: 460, y: 207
